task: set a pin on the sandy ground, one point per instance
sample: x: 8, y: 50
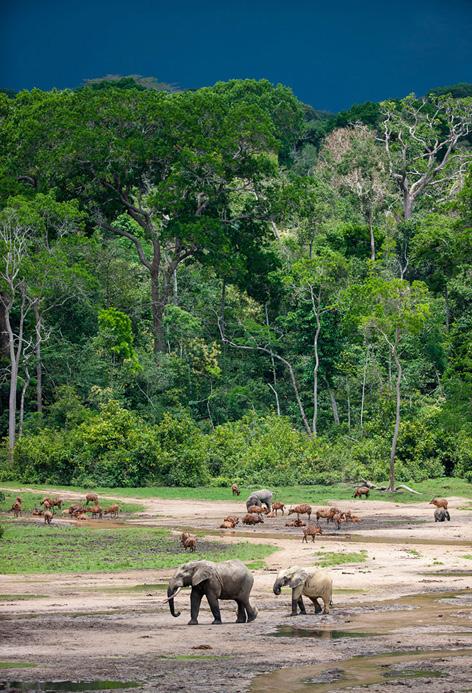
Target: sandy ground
x: 402, y: 618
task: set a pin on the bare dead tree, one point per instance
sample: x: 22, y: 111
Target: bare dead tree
x: 353, y: 162
x: 422, y: 141
x: 14, y: 296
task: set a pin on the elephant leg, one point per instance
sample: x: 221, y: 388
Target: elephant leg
x: 301, y: 606
x: 317, y: 606
x: 251, y: 612
x: 241, y: 612
x: 195, y: 601
x: 215, y: 607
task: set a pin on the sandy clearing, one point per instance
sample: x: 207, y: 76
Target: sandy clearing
x: 92, y: 626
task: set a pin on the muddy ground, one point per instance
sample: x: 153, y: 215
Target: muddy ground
x: 402, y: 619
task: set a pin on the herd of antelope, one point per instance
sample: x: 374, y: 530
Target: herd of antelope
x: 77, y: 512
x: 255, y: 514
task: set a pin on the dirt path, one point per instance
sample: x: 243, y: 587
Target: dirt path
x: 115, y: 626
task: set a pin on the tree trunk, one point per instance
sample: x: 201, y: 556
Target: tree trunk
x: 407, y: 205
x: 348, y: 409
x: 158, y: 306
x: 372, y: 237
x: 364, y: 378
x: 14, y: 364
x: 272, y: 361
x: 393, y: 450
x: 37, y: 351
x: 4, y: 346
x: 22, y: 402
x: 316, y: 368
x: 334, y: 406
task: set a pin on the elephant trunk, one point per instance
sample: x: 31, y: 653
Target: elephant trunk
x: 171, y: 593
x: 277, y: 587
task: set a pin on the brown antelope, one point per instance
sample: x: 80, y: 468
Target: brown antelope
x: 302, y: 509
x: 311, y: 531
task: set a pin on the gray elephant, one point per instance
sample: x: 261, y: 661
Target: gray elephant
x: 260, y: 498
x: 309, y: 582
x: 226, y: 580
x: 440, y: 514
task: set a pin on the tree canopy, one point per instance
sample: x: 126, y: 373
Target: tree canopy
x: 228, y: 285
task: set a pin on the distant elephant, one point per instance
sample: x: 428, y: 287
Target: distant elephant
x: 440, y: 514
x: 308, y: 582
x: 260, y: 498
x: 226, y: 580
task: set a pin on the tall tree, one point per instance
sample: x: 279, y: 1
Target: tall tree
x: 422, y: 140
x: 394, y: 309
x: 353, y: 162
x: 178, y: 175
x: 16, y: 303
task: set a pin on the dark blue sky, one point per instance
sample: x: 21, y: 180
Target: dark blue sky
x: 333, y: 53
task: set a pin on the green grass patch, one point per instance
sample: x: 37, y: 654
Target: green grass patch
x: 32, y: 500
x: 413, y: 553
x: 326, y: 559
x: 36, y: 548
x: 468, y: 556
x: 318, y: 495
x: 17, y: 665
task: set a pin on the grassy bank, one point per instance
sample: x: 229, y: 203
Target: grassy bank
x: 318, y: 495
x: 32, y: 500
x: 35, y: 548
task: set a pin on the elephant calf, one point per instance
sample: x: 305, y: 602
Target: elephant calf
x: 440, y: 514
x: 309, y: 582
x: 215, y: 581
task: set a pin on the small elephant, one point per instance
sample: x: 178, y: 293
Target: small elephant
x: 260, y: 498
x: 308, y: 582
x: 225, y: 580
x: 440, y: 514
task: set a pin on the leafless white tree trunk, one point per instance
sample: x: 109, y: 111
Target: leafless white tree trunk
x: 14, y: 239
x: 393, y: 450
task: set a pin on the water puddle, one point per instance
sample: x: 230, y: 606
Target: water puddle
x: 357, y: 671
x: 282, y: 533
x: 45, y: 686
x: 141, y: 587
x: 319, y: 633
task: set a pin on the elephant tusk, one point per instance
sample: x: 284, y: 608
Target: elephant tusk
x: 172, y: 596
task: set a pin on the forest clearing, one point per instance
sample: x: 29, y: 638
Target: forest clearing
x: 402, y: 606
x: 236, y: 346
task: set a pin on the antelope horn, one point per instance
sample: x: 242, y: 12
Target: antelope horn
x: 172, y: 596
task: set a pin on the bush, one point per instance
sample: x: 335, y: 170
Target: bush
x: 267, y: 451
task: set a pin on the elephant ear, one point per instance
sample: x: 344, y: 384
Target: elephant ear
x: 298, y: 579
x: 203, y: 572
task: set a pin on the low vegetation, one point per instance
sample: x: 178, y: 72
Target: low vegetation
x: 33, y: 548
x: 316, y: 494
x: 326, y: 559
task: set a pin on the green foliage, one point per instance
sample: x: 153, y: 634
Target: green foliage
x: 260, y: 451
x: 116, y: 337
x: 219, y: 288
x: 325, y: 559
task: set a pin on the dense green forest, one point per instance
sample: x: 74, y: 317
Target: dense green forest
x: 200, y: 287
